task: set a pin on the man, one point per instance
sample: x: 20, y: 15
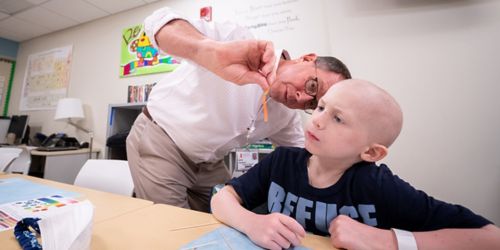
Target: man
x: 196, y: 115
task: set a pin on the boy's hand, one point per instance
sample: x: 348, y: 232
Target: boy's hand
x: 275, y: 231
x: 347, y: 233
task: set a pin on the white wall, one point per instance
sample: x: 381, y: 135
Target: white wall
x: 94, y: 71
x: 441, y: 60
x: 438, y: 58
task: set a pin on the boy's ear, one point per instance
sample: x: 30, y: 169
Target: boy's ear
x: 374, y: 153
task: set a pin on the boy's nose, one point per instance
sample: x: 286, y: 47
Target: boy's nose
x: 317, y: 121
x: 317, y: 124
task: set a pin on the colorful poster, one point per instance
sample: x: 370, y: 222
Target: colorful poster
x: 139, y: 57
x: 46, y: 79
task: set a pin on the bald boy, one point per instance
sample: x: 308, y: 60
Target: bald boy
x: 333, y: 187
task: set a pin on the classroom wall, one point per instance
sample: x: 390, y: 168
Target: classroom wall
x: 438, y: 58
x: 94, y: 76
x: 8, y: 48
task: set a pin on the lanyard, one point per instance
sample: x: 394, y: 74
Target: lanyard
x: 25, y: 237
x: 263, y: 107
x: 264, y: 104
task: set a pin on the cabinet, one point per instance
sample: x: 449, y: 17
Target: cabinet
x: 121, y: 117
x: 61, y: 166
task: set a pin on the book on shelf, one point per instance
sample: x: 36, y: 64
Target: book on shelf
x: 139, y: 93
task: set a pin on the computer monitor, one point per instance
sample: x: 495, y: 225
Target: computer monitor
x: 18, y: 124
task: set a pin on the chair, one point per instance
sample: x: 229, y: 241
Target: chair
x: 106, y: 175
x: 21, y: 165
x: 7, y: 156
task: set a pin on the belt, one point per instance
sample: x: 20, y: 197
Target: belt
x: 146, y: 113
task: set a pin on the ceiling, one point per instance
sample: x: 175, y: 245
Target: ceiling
x: 22, y: 20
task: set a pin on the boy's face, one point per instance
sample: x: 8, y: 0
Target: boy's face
x: 337, y: 129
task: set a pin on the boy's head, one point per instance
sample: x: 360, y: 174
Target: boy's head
x: 355, y: 120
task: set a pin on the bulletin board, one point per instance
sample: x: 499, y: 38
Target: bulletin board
x: 46, y: 79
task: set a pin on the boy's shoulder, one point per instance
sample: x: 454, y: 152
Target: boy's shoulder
x: 370, y: 171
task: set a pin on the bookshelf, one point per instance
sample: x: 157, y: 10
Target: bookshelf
x: 121, y: 117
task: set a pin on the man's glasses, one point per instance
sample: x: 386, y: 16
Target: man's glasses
x: 312, y: 90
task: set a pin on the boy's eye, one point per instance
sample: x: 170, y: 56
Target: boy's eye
x: 320, y: 108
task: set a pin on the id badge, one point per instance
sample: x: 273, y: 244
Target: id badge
x: 246, y: 158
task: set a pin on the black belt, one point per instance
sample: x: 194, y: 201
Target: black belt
x: 146, y: 113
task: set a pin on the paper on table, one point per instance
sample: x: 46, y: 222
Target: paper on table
x: 11, y: 213
x: 68, y: 228
x: 17, y: 189
x: 226, y: 238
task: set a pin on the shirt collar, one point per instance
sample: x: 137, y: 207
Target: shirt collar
x: 285, y: 55
x: 280, y: 54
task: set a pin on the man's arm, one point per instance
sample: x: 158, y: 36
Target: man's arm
x: 272, y: 231
x: 241, y: 62
x: 350, y: 234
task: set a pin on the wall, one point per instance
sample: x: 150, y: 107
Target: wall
x: 8, y: 48
x: 438, y: 58
x: 94, y: 76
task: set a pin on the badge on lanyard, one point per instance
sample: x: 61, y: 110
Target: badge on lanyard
x: 246, y: 158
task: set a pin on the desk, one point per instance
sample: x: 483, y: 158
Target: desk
x: 20, y: 164
x: 122, y: 222
x: 165, y: 227
x: 63, y: 166
x: 107, y: 205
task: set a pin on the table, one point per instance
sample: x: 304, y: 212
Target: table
x: 165, y: 227
x: 122, y: 222
x: 63, y: 166
x: 107, y: 205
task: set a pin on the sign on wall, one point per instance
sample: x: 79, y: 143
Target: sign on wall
x: 299, y: 26
x: 46, y: 79
x: 139, y: 57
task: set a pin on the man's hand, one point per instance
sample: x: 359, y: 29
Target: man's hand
x: 275, y: 231
x: 242, y: 62
x: 347, y: 233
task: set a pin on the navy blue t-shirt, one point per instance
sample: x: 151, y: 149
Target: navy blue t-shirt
x: 366, y: 192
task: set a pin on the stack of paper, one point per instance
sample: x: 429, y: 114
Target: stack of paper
x: 66, y: 223
x: 68, y: 228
